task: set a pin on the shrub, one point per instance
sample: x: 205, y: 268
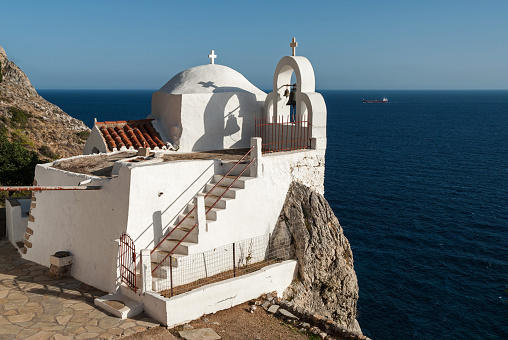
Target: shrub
x: 18, y: 116
x: 17, y: 164
x: 46, y: 151
x: 19, y: 136
x: 1, y: 75
x: 83, y: 134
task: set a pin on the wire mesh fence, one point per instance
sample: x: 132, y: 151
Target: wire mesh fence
x: 180, y: 274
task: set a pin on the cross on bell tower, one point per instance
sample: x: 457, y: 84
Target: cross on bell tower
x: 293, y: 46
x: 212, y: 57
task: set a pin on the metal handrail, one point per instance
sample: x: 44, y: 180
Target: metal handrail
x: 227, y: 174
x: 195, y: 225
x: 192, y: 210
x: 208, y: 194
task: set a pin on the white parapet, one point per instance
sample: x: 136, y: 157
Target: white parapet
x: 256, y: 153
x: 146, y: 271
x: 218, y: 296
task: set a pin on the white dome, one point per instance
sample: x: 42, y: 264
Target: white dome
x: 209, y: 78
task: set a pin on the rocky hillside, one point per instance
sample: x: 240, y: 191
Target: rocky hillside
x: 326, y: 283
x: 39, y: 125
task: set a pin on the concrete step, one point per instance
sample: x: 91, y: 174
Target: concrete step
x: 212, y: 214
x: 219, y: 190
x: 159, y: 255
x: 182, y: 249
x: 119, y: 305
x: 221, y: 204
x: 182, y: 230
x: 228, y: 180
x: 227, y: 165
x: 190, y: 220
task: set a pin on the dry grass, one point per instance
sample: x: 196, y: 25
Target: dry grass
x: 218, y: 277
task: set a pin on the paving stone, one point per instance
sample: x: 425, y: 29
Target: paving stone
x: 80, y: 317
x: 148, y: 324
x: 92, y: 322
x: 79, y: 330
x: 52, y: 306
x: 128, y: 332
x: 128, y: 324
x: 25, y: 333
x: 20, y: 318
x: 10, y: 329
x: 62, y: 337
x: 44, y: 318
x: 105, y: 335
x: 53, y: 328
x: 10, y: 308
x: 93, y: 329
x: 67, y: 311
x: 87, y: 336
x: 63, y: 319
x: 108, y: 322
x: 4, y: 321
x: 97, y: 314
x: 115, y: 331
x: 40, y: 336
x: 82, y: 307
x: 43, y: 324
x: 72, y: 326
x: 28, y: 310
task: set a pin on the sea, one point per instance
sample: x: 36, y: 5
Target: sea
x: 420, y: 186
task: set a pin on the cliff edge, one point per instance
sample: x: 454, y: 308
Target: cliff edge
x: 326, y: 282
x: 39, y: 125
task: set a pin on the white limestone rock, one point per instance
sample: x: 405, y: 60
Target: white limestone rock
x: 326, y: 281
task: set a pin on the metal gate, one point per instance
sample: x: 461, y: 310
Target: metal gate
x: 128, y: 261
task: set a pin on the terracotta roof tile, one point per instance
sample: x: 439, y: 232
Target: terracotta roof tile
x: 130, y: 134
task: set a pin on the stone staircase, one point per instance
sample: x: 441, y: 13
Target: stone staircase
x: 215, y: 205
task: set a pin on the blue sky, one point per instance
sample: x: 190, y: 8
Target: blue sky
x: 351, y: 44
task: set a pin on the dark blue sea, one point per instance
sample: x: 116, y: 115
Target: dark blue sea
x: 420, y: 186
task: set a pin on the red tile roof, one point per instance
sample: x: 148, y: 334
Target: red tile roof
x: 131, y: 133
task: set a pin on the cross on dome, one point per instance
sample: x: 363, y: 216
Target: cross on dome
x: 212, y: 57
x: 293, y: 46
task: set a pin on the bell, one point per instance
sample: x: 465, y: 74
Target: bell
x: 292, y: 98
x: 286, y: 93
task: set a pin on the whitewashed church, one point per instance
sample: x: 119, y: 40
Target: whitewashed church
x: 153, y: 198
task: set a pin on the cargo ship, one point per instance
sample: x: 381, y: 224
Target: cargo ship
x: 384, y: 100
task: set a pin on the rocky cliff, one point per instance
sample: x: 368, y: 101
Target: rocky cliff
x: 38, y: 124
x: 326, y: 281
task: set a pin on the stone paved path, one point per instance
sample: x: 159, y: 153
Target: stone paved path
x: 34, y: 306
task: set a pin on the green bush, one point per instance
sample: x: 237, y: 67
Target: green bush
x: 18, y: 116
x: 83, y: 134
x: 1, y: 75
x: 17, y: 164
x: 20, y: 136
x: 46, y: 151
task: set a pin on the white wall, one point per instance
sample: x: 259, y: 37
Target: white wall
x: 166, y: 110
x: 208, y: 121
x: 16, y: 213
x: 256, y: 208
x: 86, y: 223
x: 159, y: 193
x: 95, y: 140
x: 218, y: 296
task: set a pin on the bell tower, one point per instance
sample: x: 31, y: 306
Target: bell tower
x: 308, y: 104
